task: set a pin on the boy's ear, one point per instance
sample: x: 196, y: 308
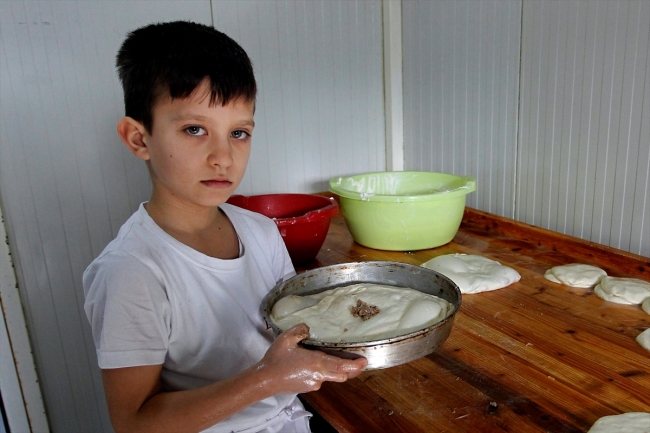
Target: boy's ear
x: 132, y: 134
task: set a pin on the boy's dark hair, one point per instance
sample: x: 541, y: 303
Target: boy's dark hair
x: 172, y: 59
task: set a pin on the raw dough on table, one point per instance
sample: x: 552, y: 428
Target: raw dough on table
x: 646, y: 306
x: 644, y: 339
x: 329, y: 318
x: 631, y: 422
x: 629, y: 291
x: 575, y: 275
x: 472, y: 273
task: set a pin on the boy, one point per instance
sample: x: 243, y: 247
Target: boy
x: 173, y: 301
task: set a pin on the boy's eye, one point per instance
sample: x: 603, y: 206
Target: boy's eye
x: 240, y: 135
x: 195, y: 130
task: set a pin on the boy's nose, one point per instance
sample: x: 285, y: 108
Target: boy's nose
x: 220, y: 153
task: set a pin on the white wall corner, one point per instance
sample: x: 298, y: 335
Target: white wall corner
x: 393, y: 92
x: 21, y: 393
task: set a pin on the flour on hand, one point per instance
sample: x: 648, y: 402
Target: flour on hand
x: 472, y: 273
x: 631, y: 422
x: 575, y: 275
x: 623, y: 290
x: 361, y: 312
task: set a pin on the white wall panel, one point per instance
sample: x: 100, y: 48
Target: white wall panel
x: 320, y: 73
x: 561, y: 140
x: 461, y: 64
x: 640, y: 223
x: 584, y: 142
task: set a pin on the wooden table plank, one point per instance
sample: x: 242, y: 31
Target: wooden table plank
x: 552, y: 358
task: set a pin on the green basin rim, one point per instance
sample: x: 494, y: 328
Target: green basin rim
x: 468, y: 187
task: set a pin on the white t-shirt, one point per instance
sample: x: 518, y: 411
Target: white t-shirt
x: 152, y: 300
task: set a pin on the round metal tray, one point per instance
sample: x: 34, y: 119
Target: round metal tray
x: 380, y: 353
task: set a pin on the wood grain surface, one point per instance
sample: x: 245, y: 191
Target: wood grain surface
x: 533, y: 357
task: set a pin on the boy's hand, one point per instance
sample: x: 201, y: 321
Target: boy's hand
x: 294, y: 369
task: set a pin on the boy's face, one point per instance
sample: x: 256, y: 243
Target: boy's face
x: 198, y: 153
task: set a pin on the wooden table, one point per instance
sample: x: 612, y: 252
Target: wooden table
x: 533, y: 357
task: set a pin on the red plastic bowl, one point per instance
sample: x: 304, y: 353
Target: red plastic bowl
x: 303, y: 219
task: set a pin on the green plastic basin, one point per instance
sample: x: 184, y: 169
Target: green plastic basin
x: 403, y: 210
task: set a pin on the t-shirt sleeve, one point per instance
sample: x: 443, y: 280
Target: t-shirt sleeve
x: 128, y: 310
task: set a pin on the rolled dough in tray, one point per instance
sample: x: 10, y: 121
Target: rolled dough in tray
x: 328, y: 315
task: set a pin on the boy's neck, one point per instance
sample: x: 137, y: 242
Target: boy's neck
x: 185, y: 218
x: 205, y: 229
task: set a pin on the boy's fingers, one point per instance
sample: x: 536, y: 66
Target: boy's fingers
x: 296, y: 334
x: 351, y: 366
x: 341, y: 365
x: 327, y: 367
x: 355, y: 365
x: 360, y: 364
x: 348, y: 367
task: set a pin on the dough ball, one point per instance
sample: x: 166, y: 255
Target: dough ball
x: 457, y: 263
x: 644, y: 340
x: 646, y: 306
x: 575, y: 275
x: 473, y: 274
x: 631, y: 422
x: 623, y: 290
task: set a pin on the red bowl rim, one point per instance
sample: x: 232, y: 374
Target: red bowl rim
x: 326, y: 212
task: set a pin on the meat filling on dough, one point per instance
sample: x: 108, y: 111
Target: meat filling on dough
x: 363, y: 310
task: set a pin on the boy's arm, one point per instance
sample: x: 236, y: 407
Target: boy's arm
x: 137, y: 403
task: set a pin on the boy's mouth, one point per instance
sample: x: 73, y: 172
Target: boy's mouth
x: 214, y: 183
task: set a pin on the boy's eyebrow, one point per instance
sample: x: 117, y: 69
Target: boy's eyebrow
x: 249, y: 122
x: 199, y: 118
x: 182, y: 117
